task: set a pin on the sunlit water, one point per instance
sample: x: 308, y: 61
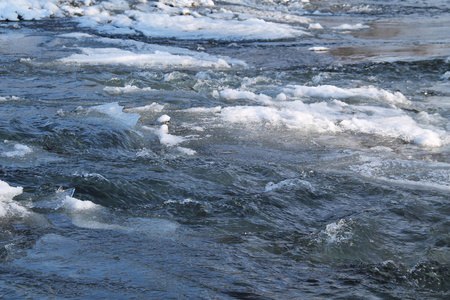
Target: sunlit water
x: 228, y: 150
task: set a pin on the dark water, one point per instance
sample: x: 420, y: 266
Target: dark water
x: 336, y: 193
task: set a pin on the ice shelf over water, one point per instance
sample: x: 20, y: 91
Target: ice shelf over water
x: 156, y: 19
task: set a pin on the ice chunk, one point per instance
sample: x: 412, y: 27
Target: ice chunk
x: 106, y: 56
x: 331, y: 91
x: 168, y: 139
x: 115, y: 111
x: 75, y: 205
x: 318, y: 49
x: 351, y: 27
x: 163, y: 119
x: 8, y: 207
x: 115, y: 90
x: 7, y: 192
x: 231, y: 94
x: 315, y: 26
x: 154, y: 107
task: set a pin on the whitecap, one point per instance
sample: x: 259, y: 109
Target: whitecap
x: 19, y: 150
x: 288, y: 184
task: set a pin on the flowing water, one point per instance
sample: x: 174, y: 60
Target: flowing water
x: 241, y: 149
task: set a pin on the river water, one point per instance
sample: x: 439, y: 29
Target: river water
x: 239, y: 149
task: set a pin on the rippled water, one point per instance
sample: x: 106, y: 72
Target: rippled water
x: 306, y: 156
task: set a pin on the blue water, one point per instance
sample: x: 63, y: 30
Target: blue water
x: 253, y: 190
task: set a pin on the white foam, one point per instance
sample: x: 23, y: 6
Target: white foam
x: 338, y: 232
x: 9, y: 98
x: 115, y: 111
x: 18, y: 150
x: 115, y: 90
x: 289, y: 183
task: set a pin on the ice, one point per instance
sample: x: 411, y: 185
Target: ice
x: 335, y: 116
x: 8, y: 207
x: 231, y: 94
x: 154, y: 107
x: 351, y: 27
x: 165, y: 19
x: 331, y: 91
x: 115, y: 90
x: 294, y: 115
x: 186, y: 151
x: 71, y: 204
x: 190, y: 27
x: 400, y: 126
x: 281, y: 97
x: 115, y: 111
x: 188, y: 3
x: 168, y: 139
x: 318, y: 49
x: 7, y: 192
x: 163, y: 119
x: 107, y: 56
x: 446, y: 75
x: 315, y: 26
x: 15, y: 10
